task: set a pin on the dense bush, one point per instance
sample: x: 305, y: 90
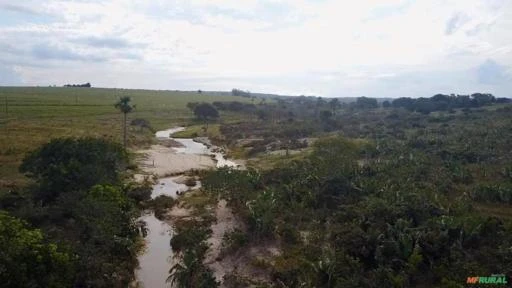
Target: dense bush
x: 160, y: 205
x: 86, y: 209
x: 27, y: 260
x: 356, y: 214
x: 190, y: 242
x: 494, y: 193
x: 234, y: 240
x: 440, y: 102
x: 67, y: 164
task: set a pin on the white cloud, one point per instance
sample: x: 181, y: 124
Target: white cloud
x: 373, y: 47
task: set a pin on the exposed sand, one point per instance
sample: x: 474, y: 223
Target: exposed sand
x: 240, y: 262
x: 178, y: 212
x: 162, y: 161
x: 226, y: 222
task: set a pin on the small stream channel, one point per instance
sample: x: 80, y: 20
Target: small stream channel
x: 155, y: 262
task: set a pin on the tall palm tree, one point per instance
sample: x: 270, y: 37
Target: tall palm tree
x: 124, y: 106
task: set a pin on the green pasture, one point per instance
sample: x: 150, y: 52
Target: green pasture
x: 31, y: 116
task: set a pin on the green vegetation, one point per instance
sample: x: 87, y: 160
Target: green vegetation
x: 79, y: 202
x: 35, y: 115
x: 204, y: 112
x: 190, y: 242
x: 442, y: 102
x: 123, y: 105
x: 415, y: 193
x: 387, y: 223
x: 234, y: 240
x: 66, y: 165
x: 385, y: 198
x: 27, y: 261
x: 76, y: 191
x: 193, y: 131
x: 160, y: 204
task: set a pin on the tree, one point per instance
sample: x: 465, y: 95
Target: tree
x: 238, y: 92
x: 335, y: 105
x: 318, y: 104
x: 404, y: 102
x: 262, y: 114
x: 482, y: 99
x: 27, y: 260
x: 205, y: 112
x: 124, y: 106
x: 366, y: 103
x: 105, y: 218
x: 68, y: 164
x: 192, y: 105
x: 325, y: 115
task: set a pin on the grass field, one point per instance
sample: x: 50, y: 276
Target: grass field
x: 31, y: 116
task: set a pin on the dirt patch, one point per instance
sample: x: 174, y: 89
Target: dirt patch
x: 225, y: 222
x: 179, y: 212
x: 250, y: 263
x: 141, y: 178
x: 241, y: 263
x: 161, y: 161
x: 181, y: 179
x: 241, y: 163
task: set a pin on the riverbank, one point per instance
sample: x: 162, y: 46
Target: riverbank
x: 162, y: 161
x: 173, y: 157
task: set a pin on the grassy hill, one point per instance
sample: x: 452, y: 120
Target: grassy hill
x: 34, y: 115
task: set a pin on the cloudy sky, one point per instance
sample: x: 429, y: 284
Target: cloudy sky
x: 333, y: 48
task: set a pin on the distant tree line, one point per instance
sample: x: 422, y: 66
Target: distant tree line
x: 238, y: 92
x: 365, y: 103
x: 441, y: 102
x: 234, y: 106
x: 86, y: 85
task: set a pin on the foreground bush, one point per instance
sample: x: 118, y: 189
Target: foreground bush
x: 27, y: 260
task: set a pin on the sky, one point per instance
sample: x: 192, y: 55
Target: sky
x: 331, y: 48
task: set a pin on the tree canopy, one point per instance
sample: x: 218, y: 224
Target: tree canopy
x: 27, y: 260
x: 441, y: 102
x: 239, y: 92
x: 366, y: 103
x: 205, y: 111
x: 124, y: 105
x: 86, y: 208
x: 65, y: 165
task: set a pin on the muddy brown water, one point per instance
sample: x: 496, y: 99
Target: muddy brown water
x: 157, y: 258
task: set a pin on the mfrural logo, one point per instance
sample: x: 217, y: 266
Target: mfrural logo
x: 493, y: 279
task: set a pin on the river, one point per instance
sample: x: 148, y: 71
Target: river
x: 156, y: 261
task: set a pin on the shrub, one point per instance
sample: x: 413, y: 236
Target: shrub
x: 493, y: 193
x: 139, y: 193
x: 160, y: 205
x: 234, y: 240
x: 69, y: 164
